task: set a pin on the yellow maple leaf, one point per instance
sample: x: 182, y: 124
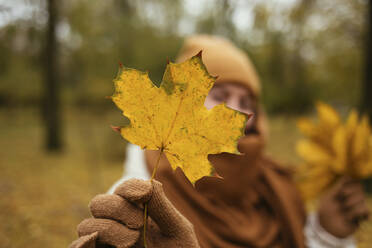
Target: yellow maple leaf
x: 332, y: 149
x: 172, y: 117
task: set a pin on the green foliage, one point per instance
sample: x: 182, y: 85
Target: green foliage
x: 303, y: 51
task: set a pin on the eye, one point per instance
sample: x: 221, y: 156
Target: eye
x: 219, y: 95
x: 246, y: 103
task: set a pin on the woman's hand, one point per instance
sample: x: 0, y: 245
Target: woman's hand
x: 343, y: 208
x: 118, y: 219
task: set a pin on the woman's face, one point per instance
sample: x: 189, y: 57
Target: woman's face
x: 235, y: 96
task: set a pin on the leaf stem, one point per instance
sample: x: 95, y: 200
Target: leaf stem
x: 145, y: 214
x: 157, y: 164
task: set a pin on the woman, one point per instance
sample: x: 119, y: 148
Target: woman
x: 255, y: 205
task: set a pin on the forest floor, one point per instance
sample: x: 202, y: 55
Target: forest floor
x: 44, y: 196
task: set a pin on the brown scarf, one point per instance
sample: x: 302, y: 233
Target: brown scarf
x: 255, y: 205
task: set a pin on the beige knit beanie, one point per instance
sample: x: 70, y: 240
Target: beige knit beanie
x: 222, y: 59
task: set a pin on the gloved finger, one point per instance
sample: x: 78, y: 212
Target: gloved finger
x: 107, y: 206
x: 348, y: 189
x: 86, y: 241
x: 109, y: 232
x: 135, y: 190
x: 170, y: 221
x: 357, y: 214
x: 337, y: 190
x: 352, y: 201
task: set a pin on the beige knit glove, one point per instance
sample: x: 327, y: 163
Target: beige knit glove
x: 118, y: 220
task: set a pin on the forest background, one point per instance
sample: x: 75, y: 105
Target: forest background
x: 58, y: 59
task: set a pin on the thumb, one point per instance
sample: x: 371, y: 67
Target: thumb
x: 170, y: 221
x: 135, y: 190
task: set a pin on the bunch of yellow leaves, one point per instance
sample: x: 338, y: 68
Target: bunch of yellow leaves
x: 333, y: 149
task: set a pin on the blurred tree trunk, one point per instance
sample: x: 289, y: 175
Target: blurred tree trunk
x: 299, y: 88
x: 366, y: 105
x: 51, y: 100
